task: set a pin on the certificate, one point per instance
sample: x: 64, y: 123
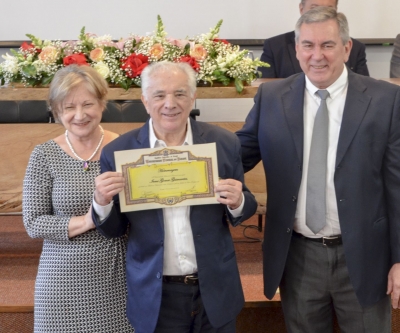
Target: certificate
x: 167, y: 177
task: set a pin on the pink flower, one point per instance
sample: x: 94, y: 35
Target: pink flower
x: 180, y: 42
x: 68, y: 47
x: 157, y: 51
x: 198, y: 52
x: 120, y: 45
x: 97, y: 54
x: 49, y: 54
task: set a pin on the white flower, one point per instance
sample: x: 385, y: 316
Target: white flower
x: 102, y: 68
x: 10, y: 64
x: 105, y: 40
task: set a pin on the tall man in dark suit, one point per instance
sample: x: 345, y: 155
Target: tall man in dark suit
x: 329, y: 140
x: 280, y: 53
x: 182, y: 274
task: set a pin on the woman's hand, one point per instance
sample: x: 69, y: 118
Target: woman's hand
x: 80, y: 224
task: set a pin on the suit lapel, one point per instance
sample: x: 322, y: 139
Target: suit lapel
x: 143, y: 136
x: 356, y: 105
x: 198, y: 138
x: 293, y: 105
x: 197, y: 132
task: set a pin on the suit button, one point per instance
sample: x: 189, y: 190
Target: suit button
x: 288, y: 230
x: 158, y: 275
x: 342, y: 200
x: 294, y: 198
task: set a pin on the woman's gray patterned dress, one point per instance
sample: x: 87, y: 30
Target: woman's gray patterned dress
x: 80, y: 285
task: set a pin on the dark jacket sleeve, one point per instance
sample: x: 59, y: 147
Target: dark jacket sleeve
x: 268, y: 57
x: 358, y: 60
x: 395, y: 61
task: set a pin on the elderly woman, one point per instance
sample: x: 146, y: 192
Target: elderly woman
x: 80, y: 285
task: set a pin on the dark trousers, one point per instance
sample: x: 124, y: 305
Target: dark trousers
x: 182, y: 311
x: 316, y: 284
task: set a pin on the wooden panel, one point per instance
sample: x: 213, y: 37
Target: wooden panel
x: 217, y: 91
x: 16, y: 144
x: 18, y: 140
x: 18, y: 92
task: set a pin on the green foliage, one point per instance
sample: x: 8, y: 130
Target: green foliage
x: 35, y: 41
x: 239, y: 85
x: 29, y: 70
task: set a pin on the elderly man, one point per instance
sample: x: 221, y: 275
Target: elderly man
x: 182, y: 274
x: 280, y: 53
x: 329, y: 140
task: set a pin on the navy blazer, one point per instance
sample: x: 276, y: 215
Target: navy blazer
x: 280, y: 53
x: 219, y: 278
x: 367, y: 176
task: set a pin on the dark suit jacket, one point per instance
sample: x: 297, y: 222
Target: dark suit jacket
x: 395, y: 60
x: 367, y: 176
x: 219, y: 278
x: 280, y: 53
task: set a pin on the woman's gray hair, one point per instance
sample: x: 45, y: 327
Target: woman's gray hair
x: 67, y: 78
x: 167, y: 66
x: 322, y: 14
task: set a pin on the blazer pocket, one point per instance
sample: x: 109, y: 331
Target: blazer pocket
x: 380, y: 223
x: 228, y: 257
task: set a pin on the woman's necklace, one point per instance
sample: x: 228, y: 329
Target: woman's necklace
x: 85, y: 162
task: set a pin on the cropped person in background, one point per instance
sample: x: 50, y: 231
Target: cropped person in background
x: 280, y: 53
x: 182, y: 273
x: 395, y: 61
x: 329, y: 140
x: 80, y: 285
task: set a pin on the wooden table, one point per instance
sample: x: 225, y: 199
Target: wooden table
x: 215, y: 92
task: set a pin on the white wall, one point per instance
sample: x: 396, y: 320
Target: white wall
x: 250, y: 19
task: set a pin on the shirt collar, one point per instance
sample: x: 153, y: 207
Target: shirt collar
x: 155, y: 142
x: 334, y: 89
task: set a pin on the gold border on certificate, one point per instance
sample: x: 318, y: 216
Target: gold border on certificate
x: 167, y: 177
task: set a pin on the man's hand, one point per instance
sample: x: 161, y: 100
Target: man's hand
x: 108, y: 184
x: 394, y: 285
x: 230, y: 192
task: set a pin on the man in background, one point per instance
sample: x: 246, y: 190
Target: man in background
x: 280, y: 53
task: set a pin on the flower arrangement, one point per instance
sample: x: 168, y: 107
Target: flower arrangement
x: 121, y: 62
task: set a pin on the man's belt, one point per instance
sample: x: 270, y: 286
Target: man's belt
x: 327, y: 241
x: 191, y: 279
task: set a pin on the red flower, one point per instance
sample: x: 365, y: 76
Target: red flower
x: 76, y: 58
x: 134, y: 64
x: 217, y: 40
x: 29, y: 48
x: 191, y: 61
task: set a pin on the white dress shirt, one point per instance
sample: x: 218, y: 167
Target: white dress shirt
x: 179, y: 250
x: 335, y: 102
